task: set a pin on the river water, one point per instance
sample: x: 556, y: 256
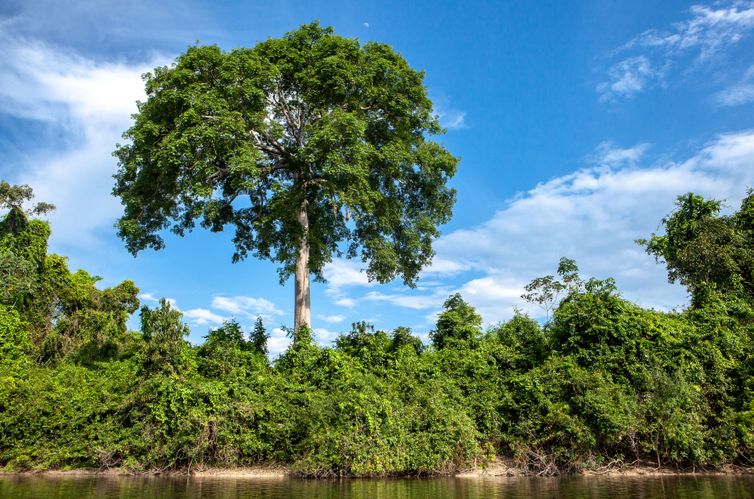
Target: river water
x: 86, y: 487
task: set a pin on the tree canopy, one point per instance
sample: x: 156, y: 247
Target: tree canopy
x: 311, y: 145
x: 706, y: 251
x: 605, y: 382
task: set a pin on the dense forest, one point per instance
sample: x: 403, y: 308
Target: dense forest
x: 601, y: 382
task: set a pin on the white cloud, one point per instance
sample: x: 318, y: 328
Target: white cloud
x: 152, y: 298
x: 246, y: 306
x: 412, y: 301
x: 608, y: 154
x: 148, y: 297
x: 593, y: 215
x: 203, y: 316
x: 452, y: 119
x: 443, y: 267
x: 738, y: 93
x: 278, y: 341
x: 324, y: 336
x: 332, y: 319
x: 708, y: 32
x: 90, y: 104
x: 342, y: 274
x: 496, y: 297
x: 449, y: 115
x: 345, y: 302
x: 628, y: 77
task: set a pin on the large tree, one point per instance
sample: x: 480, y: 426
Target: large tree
x: 310, y: 145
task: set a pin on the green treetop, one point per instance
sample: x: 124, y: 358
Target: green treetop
x: 309, y: 145
x: 458, y: 321
x: 258, y: 337
x: 704, y: 250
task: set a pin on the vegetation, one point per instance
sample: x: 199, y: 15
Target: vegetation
x: 314, y: 146
x: 302, y: 143
x: 603, y: 381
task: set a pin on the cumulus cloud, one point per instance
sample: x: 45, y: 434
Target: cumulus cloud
x: 89, y: 104
x: 593, y: 215
x: 442, y: 267
x: 496, y: 297
x: 332, y: 319
x: 246, y: 306
x: 202, y: 316
x: 342, y: 274
x: 647, y: 59
x: 278, y: 341
x: 324, y: 336
x: 150, y: 297
x: 344, y: 301
x: 608, y: 154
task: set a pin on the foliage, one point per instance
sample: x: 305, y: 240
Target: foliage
x: 13, y: 197
x: 258, y: 338
x: 309, y: 145
x: 604, y: 381
x: 548, y: 290
x: 458, y: 322
x: 65, y: 313
x: 704, y: 250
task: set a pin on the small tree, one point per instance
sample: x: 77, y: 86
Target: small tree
x: 259, y: 336
x: 547, y: 291
x: 402, y: 336
x: 458, y: 322
x: 310, y: 145
x: 222, y: 351
x: 14, y: 197
x: 165, y: 349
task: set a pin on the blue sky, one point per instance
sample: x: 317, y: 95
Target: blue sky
x: 577, y: 123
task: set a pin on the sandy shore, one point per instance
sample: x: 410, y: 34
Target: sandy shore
x: 506, y: 467
x: 497, y: 468
x: 241, y: 472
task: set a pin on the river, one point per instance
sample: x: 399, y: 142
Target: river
x: 99, y: 487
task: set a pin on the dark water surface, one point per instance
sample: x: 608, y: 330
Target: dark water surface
x: 34, y: 487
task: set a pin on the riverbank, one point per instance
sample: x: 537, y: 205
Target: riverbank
x: 507, y: 467
x: 497, y: 468
x: 240, y: 472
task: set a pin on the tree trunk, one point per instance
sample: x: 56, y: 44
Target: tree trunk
x: 302, y: 314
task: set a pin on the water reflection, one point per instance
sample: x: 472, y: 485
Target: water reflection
x: 699, y: 487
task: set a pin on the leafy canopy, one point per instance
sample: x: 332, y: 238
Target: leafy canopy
x: 310, y: 121
x: 704, y: 250
x: 458, y: 322
x: 14, y: 196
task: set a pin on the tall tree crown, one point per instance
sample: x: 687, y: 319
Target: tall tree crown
x: 310, y: 121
